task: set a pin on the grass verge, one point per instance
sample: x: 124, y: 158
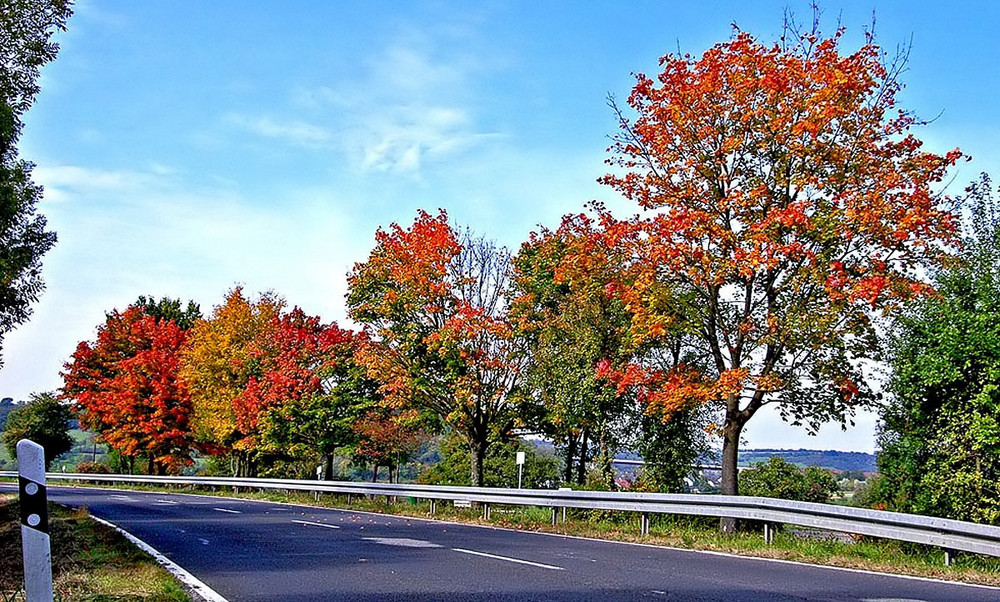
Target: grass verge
x: 90, y: 561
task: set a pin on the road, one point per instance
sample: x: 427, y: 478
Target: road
x: 259, y: 551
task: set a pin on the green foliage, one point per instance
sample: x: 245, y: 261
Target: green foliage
x: 25, y: 30
x: 671, y: 448
x: 44, y: 420
x: 940, y: 436
x: 170, y: 309
x: 541, y: 470
x: 781, y: 479
x: 6, y: 407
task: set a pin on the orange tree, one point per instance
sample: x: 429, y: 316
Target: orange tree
x: 126, y: 386
x: 786, y: 204
x: 434, y: 301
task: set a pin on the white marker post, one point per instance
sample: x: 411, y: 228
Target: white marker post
x: 520, y: 467
x: 34, y: 522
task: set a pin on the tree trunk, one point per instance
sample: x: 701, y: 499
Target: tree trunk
x: 581, y: 468
x: 328, y: 467
x: 375, y: 473
x: 477, y: 458
x: 570, y: 456
x: 730, y: 462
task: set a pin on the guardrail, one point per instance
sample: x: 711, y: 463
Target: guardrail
x: 945, y: 533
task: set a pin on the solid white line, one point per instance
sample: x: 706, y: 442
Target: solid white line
x: 508, y: 559
x: 198, y: 586
x: 305, y: 522
x: 227, y: 510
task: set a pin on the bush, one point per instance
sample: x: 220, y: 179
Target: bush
x: 781, y: 479
x: 93, y: 468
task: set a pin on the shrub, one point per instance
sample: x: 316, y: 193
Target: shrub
x: 782, y: 479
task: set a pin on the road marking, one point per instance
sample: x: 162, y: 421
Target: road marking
x: 403, y: 542
x: 508, y: 559
x: 200, y: 588
x: 305, y: 522
x: 227, y: 510
x: 165, y: 503
x: 203, y: 541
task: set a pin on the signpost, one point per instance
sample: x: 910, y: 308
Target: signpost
x: 520, y: 467
x: 33, y: 502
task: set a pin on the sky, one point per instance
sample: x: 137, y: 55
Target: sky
x: 189, y: 148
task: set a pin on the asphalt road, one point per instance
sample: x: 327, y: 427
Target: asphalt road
x: 253, y: 551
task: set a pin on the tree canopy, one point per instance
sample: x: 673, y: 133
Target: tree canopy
x: 786, y: 204
x: 940, y: 432
x: 26, y: 29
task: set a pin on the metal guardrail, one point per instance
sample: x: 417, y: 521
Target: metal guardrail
x: 945, y: 533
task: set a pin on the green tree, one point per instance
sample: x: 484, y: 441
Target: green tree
x: 561, y: 308
x: 781, y: 479
x: 434, y: 301
x: 940, y: 433
x: 26, y: 27
x: 44, y: 420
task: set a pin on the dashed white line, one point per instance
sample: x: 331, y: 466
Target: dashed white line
x: 227, y: 510
x: 509, y: 559
x: 305, y: 522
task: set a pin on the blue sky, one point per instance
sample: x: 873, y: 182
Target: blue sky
x: 188, y: 148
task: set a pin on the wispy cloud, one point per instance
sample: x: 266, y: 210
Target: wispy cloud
x: 410, y: 105
x: 295, y: 132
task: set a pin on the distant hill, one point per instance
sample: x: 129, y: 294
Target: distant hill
x: 830, y: 459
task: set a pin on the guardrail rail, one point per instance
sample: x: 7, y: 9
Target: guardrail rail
x: 945, y: 533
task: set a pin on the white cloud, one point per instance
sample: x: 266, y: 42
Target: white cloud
x: 297, y: 133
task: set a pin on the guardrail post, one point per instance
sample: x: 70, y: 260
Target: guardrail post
x: 768, y: 533
x: 555, y: 516
x: 433, y: 506
x: 949, y: 556
x: 644, y: 523
x: 35, y: 544
x: 486, y: 511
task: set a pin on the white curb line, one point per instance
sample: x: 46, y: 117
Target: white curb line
x: 197, y: 586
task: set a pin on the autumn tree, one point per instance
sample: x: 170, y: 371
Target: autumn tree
x: 125, y: 386
x: 26, y: 29
x: 786, y: 203
x: 435, y: 303
x: 940, y: 431
x: 386, y: 437
x: 43, y: 419
x: 312, y: 393
x: 225, y: 352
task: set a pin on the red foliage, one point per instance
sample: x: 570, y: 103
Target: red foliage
x: 125, y: 386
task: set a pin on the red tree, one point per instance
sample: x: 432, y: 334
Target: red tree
x: 125, y: 386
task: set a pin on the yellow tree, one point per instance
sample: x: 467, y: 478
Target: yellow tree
x: 223, y: 354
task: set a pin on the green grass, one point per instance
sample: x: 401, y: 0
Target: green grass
x: 90, y: 561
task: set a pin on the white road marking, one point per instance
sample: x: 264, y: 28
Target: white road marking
x: 305, y: 522
x: 508, y: 559
x: 403, y: 542
x: 203, y: 541
x: 206, y: 593
x: 227, y: 510
x: 165, y: 503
